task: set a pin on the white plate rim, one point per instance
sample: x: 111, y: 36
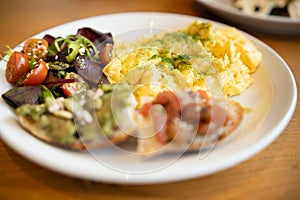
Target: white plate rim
x: 164, y: 176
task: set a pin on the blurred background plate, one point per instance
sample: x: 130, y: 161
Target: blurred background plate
x: 267, y: 24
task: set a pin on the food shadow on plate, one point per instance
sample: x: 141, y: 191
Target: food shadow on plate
x: 129, y: 147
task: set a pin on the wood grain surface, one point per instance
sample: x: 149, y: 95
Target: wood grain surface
x: 273, y: 173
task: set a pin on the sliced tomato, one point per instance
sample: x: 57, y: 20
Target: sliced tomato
x: 203, y: 94
x: 75, y: 87
x: 37, y: 75
x: 35, y: 48
x: 160, y: 128
x: 69, y: 89
x: 145, y: 110
x: 105, y: 54
x: 16, y: 67
x: 170, y: 102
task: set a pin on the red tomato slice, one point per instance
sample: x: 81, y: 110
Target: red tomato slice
x: 145, y: 109
x: 75, y: 87
x: 69, y: 88
x: 160, y: 128
x: 37, y: 75
x: 105, y: 54
x: 16, y: 67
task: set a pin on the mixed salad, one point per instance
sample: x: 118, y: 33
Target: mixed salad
x: 57, y: 66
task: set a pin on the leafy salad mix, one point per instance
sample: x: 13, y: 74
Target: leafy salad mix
x: 57, y: 67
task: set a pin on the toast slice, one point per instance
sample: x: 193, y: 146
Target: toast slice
x: 76, y: 143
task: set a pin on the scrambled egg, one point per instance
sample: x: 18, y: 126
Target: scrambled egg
x: 229, y: 42
x: 219, y: 61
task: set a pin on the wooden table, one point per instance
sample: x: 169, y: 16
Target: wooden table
x: 274, y: 173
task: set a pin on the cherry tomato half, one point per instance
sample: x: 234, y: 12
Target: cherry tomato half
x: 105, y: 54
x: 75, y: 87
x: 16, y: 67
x: 35, y: 48
x: 37, y: 75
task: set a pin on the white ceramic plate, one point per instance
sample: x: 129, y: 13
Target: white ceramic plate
x: 269, y: 24
x: 272, y: 99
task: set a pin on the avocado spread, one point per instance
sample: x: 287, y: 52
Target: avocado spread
x: 88, y: 115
